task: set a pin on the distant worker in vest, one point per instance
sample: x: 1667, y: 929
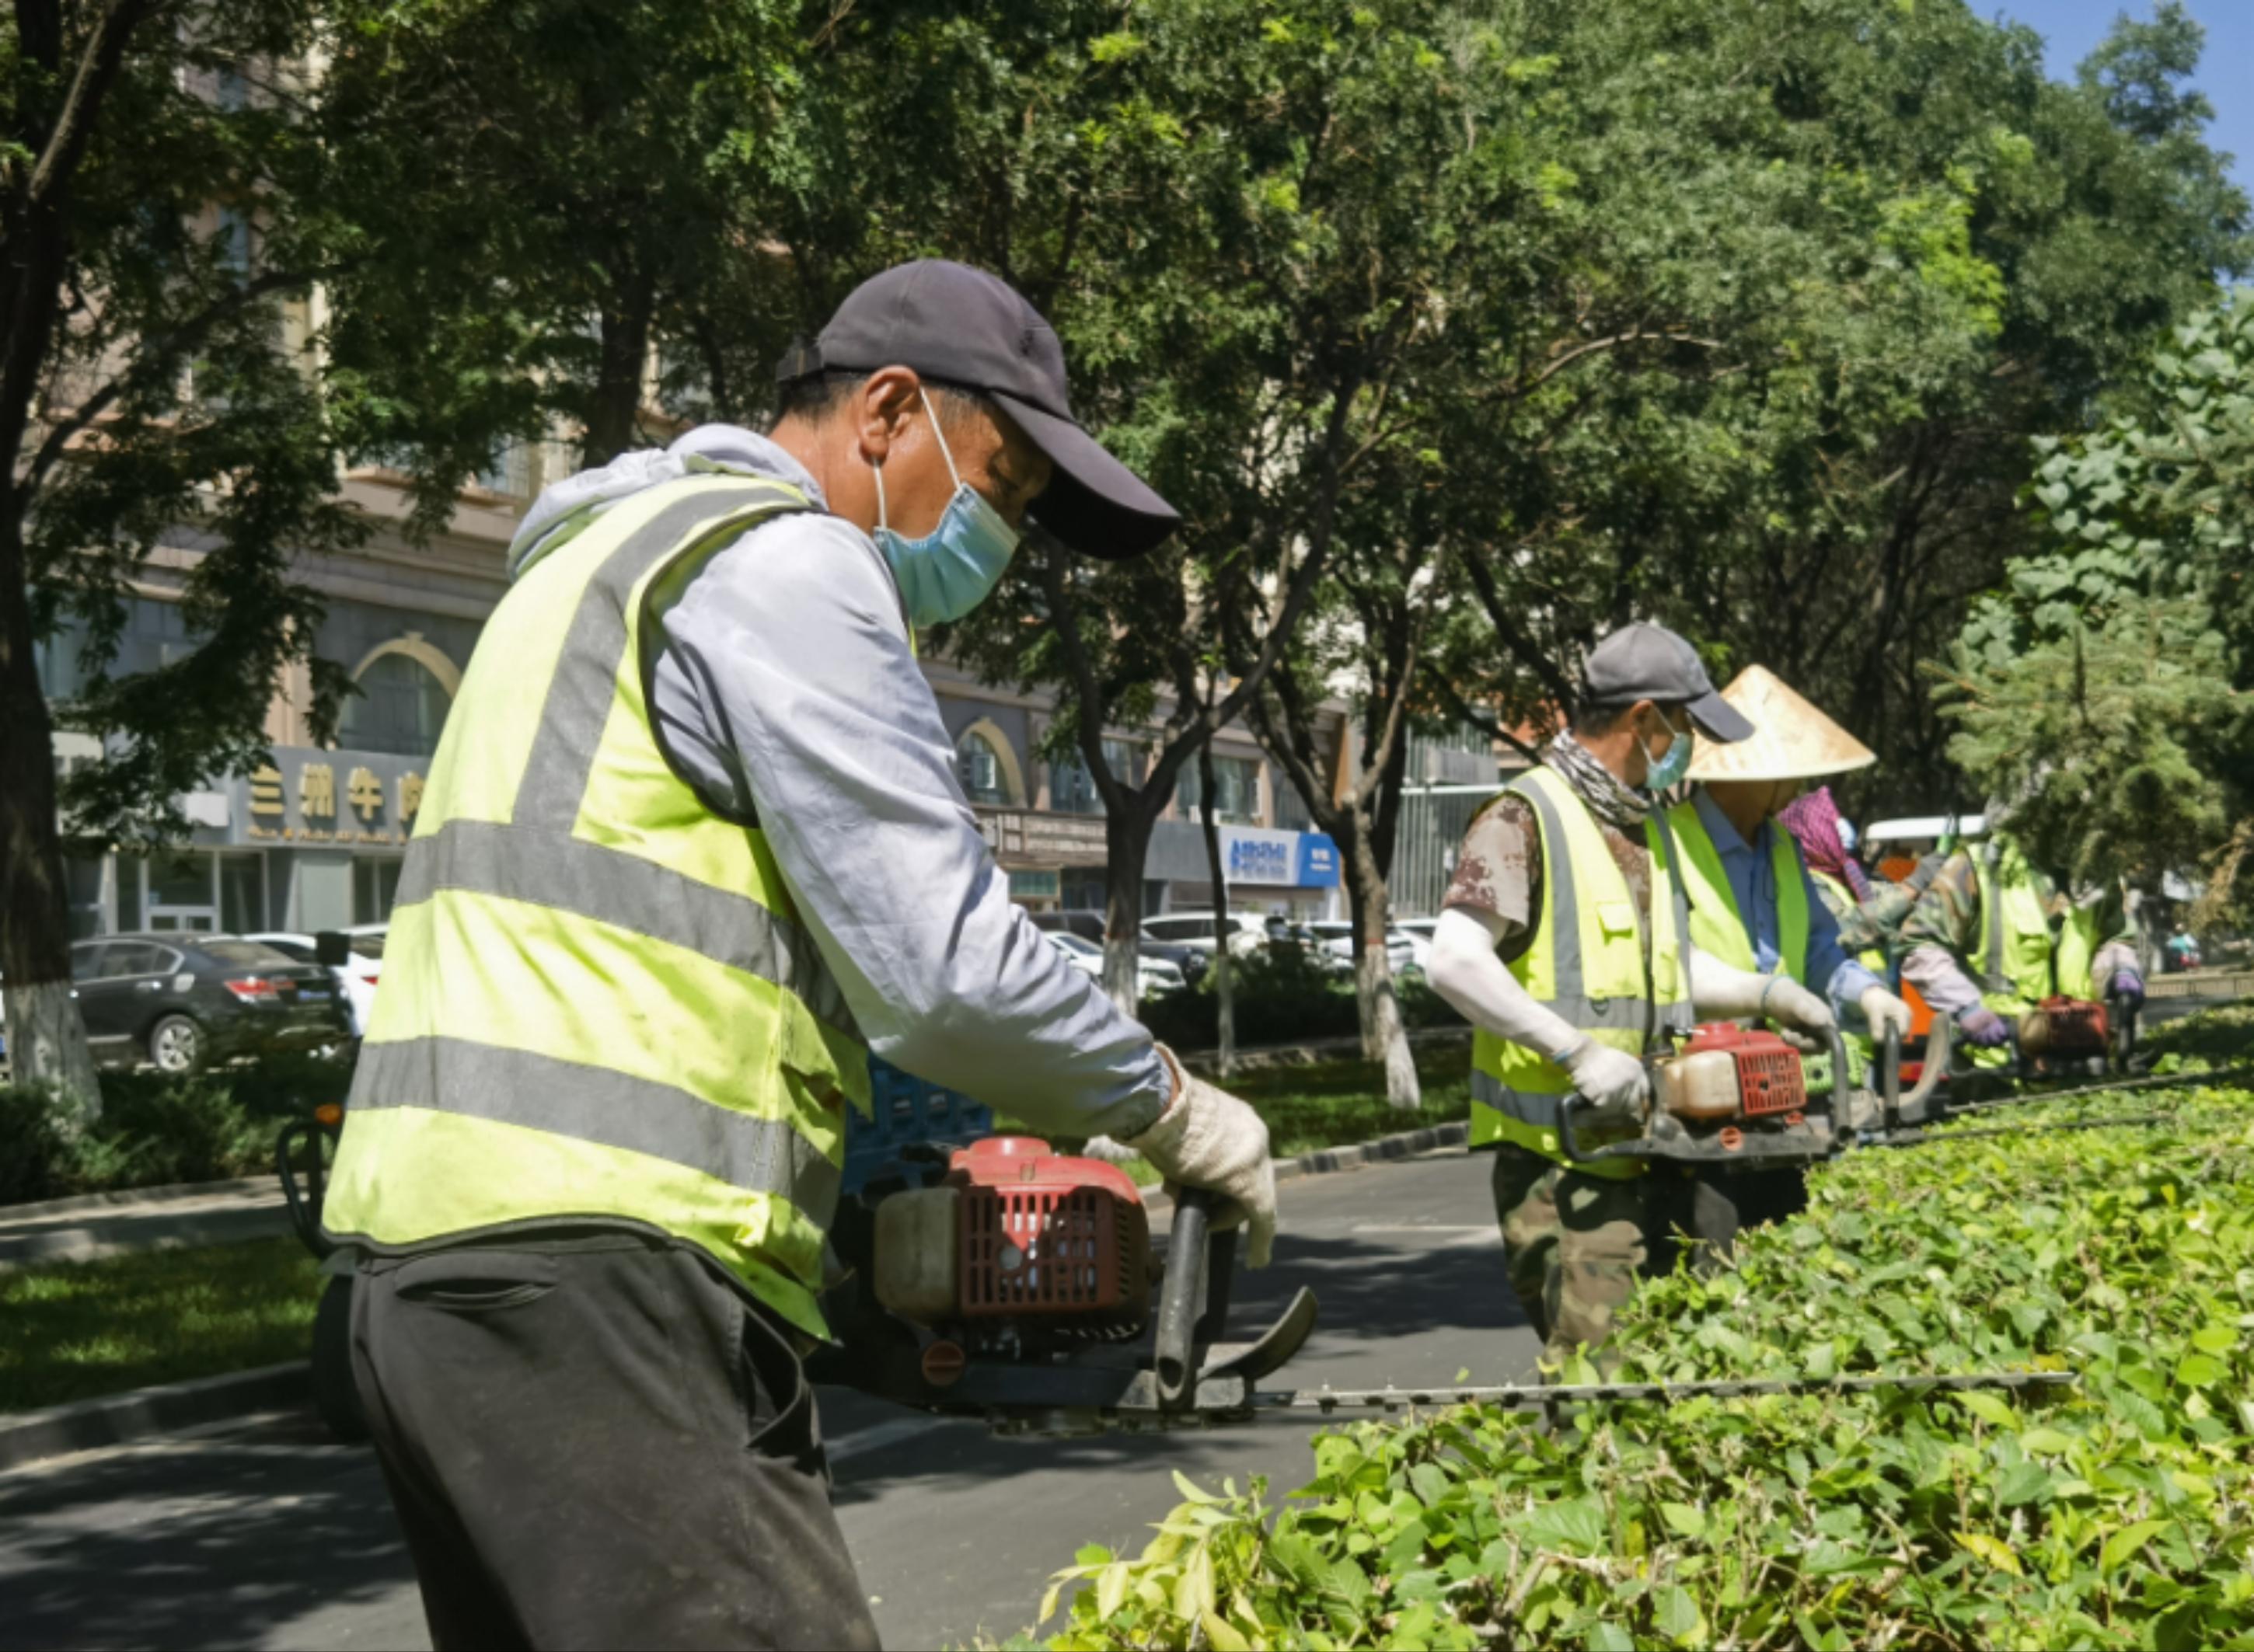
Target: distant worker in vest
x: 1562, y: 940
x: 1995, y: 933
x: 693, y: 847
x: 1756, y: 903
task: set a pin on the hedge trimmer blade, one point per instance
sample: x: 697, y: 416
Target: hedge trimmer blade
x: 1536, y: 1395
x: 2156, y: 1082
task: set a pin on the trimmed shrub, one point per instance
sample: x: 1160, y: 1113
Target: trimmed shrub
x: 2119, y: 1513
x: 1283, y: 997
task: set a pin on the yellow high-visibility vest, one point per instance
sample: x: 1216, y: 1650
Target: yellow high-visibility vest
x: 2021, y: 958
x: 1717, y: 927
x: 599, y: 1003
x: 1586, y: 962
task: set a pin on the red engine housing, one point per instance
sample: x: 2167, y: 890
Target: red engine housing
x: 1769, y: 1079
x: 1046, y: 1237
x: 2069, y: 1027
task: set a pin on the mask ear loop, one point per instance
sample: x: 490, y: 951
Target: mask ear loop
x: 953, y: 475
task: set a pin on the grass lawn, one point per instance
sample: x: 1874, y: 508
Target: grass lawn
x: 79, y: 1329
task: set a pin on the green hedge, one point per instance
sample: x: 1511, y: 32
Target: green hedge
x: 155, y: 1131
x: 1282, y: 998
x: 2119, y: 1514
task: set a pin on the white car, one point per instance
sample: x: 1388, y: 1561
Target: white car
x: 1151, y: 975
x: 356, y: 977
x: 1337, y: 939
x: 1417, y: 932
x: 1247, y: 932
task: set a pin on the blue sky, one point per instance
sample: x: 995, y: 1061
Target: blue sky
x: 2070, y: 28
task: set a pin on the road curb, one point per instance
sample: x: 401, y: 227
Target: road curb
x: 170, y: 1193
x: 118, y: 1420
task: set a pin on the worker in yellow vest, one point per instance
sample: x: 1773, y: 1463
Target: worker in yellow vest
x: 692, y: 847
x: 1754, y: 903
x: 1563, y: 942
x: 1994, y: 934
x: 1870, y: 910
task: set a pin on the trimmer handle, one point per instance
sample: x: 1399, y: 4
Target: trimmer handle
x: 1192, y: 1296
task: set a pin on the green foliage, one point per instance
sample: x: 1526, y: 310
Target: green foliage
x: 2118, y: 1515
x: 2108, y: 683
x: 79, y: 1329
x: 155, y: 1131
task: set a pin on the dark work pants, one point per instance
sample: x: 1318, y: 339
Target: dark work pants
x: 598, y: 1441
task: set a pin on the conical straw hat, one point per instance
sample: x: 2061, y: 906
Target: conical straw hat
x: 1791, y: 739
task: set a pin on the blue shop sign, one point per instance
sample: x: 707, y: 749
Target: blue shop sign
x: 1259, y: 860
x: 1319, y: 861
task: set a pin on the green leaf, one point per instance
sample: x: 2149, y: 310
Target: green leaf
x: 1575, y: 1526
x: 1683, y: 1520
x: 1607, y: 1636
x: 1189, y: 1488
x: 2199, y: 1370
x: 1989, y: 1409
x: 2126, y: 1542
x: 1676, y: 1615
x: 2046, y: 1442
x: 1996, y: 1553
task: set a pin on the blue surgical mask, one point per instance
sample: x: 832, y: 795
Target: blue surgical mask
x: 949, y: 572
x: 1661, y: 773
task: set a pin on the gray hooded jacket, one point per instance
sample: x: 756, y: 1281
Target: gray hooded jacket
x: 786, y: 680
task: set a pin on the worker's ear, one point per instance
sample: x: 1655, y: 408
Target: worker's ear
x: 884, y: 408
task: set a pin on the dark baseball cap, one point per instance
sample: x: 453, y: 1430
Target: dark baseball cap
x: 1650, y: 662
x: 960, y: 326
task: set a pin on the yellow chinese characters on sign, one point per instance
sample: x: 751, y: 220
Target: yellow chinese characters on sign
x: 365, y: 793
x: 316, y: 792
x: 266, y: 791
x: 411, y: 797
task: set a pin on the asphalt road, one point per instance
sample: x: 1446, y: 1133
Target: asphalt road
x: 266, y: 1534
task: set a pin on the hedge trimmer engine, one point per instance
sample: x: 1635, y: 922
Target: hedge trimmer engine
x: 1015, y: 1285
x: 1017, y: 1245
x: 2066, y: 1029
x: 1727, y: 1072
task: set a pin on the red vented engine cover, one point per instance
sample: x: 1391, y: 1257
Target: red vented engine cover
x: 2067, y: 1028
x: 1768, y: 1069
x: 1049, y: 1237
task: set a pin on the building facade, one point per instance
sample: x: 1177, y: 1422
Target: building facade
x: 315, y: 839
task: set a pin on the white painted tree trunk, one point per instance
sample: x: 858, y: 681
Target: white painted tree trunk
x: 46, y: 1045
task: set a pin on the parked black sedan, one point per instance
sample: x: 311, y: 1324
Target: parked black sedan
x: 177, y: 1001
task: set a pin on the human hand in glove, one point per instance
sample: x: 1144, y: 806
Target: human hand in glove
x: 1208, y: 1138
x: 2127, y: 983
x: 1787, y: 1000
x: 1984, y: 1029
x: 1882, y: 1010
x: 1614, y: 1080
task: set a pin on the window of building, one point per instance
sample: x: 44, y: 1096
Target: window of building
x: 978, y: 766
x: 1072, y: 787
x: 155, y: 633
x: 242, y: 892
x: 510, y: 471
x: 401, y: 707
x: 1235, y: 788
x: 1291, y: 808
x: 375, y: 888
x: 82, y: 878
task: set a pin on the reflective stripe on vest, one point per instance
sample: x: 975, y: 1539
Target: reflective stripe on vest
x: 1583, y: 961
x: 2023, y: 959
x: 598, y: 1001
x: 1716, y: 926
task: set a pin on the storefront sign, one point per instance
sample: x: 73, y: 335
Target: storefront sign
x: 343, y: 798
x: 1319, y: 861
x: 1019, y: 836
x: 1255, y: 855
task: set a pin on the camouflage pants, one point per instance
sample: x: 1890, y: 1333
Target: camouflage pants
x: 1576, y: 1244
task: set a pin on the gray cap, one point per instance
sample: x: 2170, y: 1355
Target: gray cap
x: 1650, y: 662
x: 960, y: 326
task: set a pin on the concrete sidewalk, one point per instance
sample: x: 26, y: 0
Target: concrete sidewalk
x: 142, y: 1219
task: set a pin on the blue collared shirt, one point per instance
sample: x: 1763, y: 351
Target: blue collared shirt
x: 1751, y: 869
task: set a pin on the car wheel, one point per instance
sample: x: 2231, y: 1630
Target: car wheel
x: 176, y: 1044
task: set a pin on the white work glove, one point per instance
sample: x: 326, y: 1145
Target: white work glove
x: 1208, y: 1138
x: 1882, y: 1009
x: 1785, y: 999
x: 1614, y: 1080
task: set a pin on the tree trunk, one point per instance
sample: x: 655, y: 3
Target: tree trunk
x: 1384, y: 1037
x: 1223, y: 985
x: 614, y: 414
x: 46, y: 1039
x: 1127, y: 843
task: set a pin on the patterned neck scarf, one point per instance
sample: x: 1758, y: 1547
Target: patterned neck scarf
x: 1610, y: 799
